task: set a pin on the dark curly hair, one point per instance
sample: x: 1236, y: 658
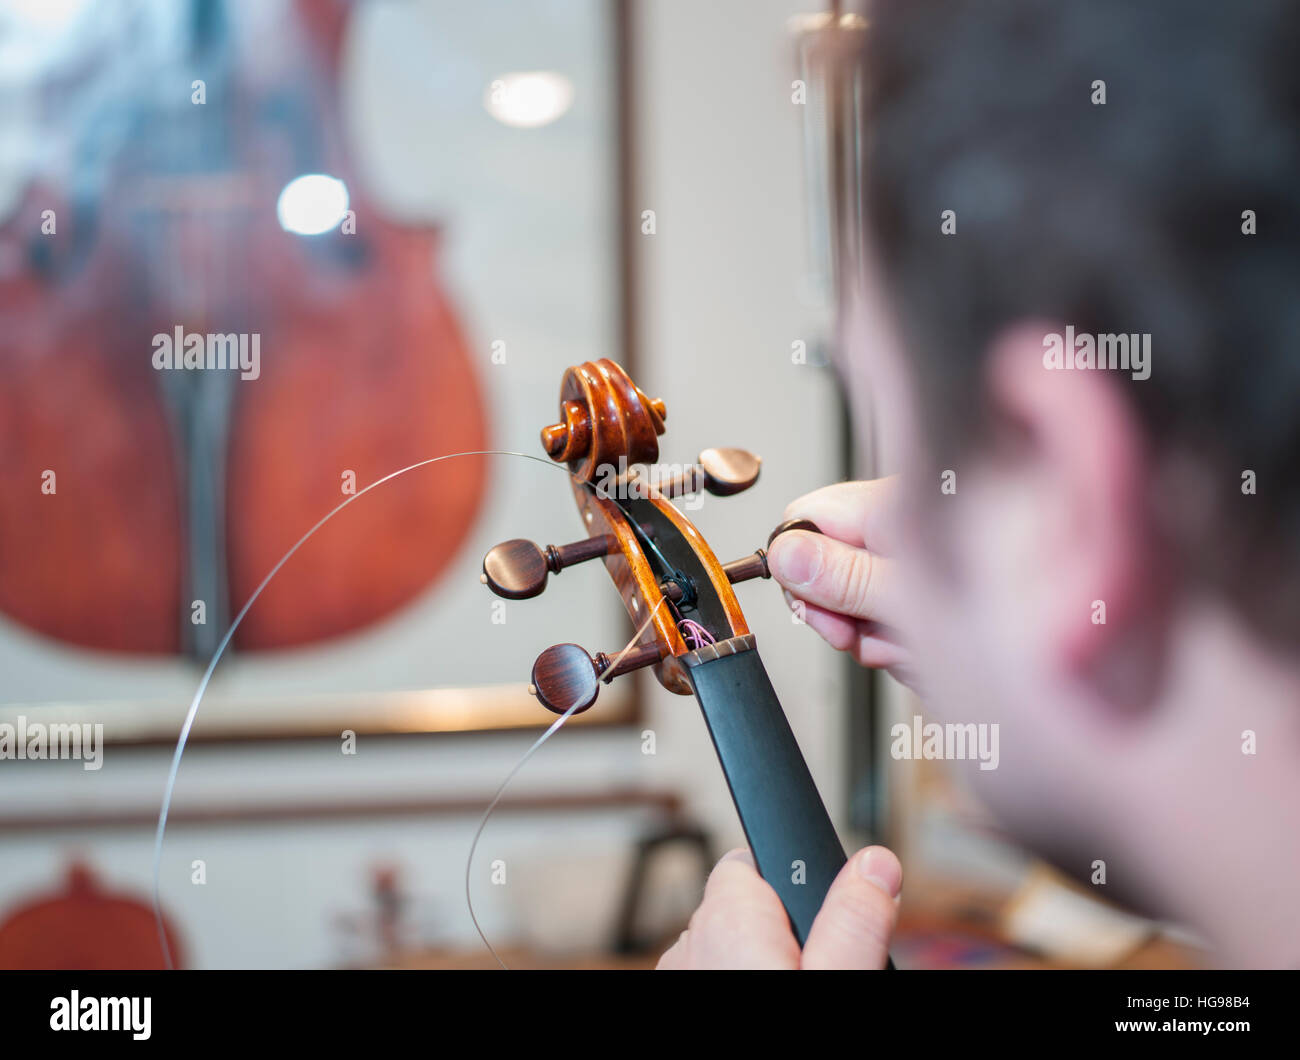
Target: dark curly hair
x: 1116, y: 218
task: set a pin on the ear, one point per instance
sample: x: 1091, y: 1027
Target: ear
x: 1079, y: 442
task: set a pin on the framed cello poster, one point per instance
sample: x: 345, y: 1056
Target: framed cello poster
x: 271, y: 360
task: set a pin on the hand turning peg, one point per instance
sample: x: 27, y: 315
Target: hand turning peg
x: 755, y: 566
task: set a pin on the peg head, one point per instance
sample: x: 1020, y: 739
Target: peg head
x: 515, y: 569
x: 793, y: 524
x: 728, y: 471
x: 565, y: 675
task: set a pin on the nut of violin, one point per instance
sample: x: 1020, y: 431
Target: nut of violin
x: 515, y: 569
x: 729, y: 471
x: 793, y: 524
x: 564, y: 676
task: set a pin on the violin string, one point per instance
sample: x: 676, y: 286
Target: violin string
x: 612, y: 668
x: 647, y: 542
x: 183, y: 739
x: 696, y: 635
x: 555, y: 725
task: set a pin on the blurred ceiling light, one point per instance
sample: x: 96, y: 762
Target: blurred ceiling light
x: 47, y: 14
x: 528, y: 100
x: 312, y: 204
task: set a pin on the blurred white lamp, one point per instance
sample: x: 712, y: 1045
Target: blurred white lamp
x: 528, y: 100
x: 312, y: 204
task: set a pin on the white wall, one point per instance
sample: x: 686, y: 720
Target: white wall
x: 723, y: 300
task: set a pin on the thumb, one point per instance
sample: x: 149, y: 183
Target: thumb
x: 822, y: 571
x: 857, y: 918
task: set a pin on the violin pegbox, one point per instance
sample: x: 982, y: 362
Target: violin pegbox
x: 676, y: 592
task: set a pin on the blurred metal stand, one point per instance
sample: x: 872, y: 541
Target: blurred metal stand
x: 829, y: 52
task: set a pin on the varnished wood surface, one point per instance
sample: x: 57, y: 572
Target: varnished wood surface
x: 636, y: 584
x: 564, y: 677
x: 607, y: 426
x: 607, y: 422
x: 717, y: 576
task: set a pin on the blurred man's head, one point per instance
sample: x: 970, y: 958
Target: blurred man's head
x: 1085, y: 219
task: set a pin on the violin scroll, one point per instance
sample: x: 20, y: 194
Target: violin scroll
x: 607, y: 421
x: 677, y: 593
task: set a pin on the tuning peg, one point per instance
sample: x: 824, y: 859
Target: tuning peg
x: 566, y: 676
x: 793, y: 524
x: 517, y: 569
x: 721, y: 472
x: 755, y: 566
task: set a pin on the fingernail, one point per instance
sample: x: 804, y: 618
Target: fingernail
x: 795, y: 559
x: 880, y: 868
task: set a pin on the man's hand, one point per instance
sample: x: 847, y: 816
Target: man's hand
x: 845, y: 579
x: 742, y: 924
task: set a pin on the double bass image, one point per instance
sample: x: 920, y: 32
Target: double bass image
x: 147, y: 494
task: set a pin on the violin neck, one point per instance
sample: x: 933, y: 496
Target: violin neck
x: 789, y: 831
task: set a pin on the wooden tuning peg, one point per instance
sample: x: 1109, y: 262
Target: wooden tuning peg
x: 518, y: 569
x: 793, y: 524
x: 566, y: 676
x: 722, y: 472
x: 755, y: 566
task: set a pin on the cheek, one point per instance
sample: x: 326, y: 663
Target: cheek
x: 976, y: 661
x: 876, y: 376
x: 883, y: 399
x: 952, y: 650
x: 968, y: 675
x: 962, y: 609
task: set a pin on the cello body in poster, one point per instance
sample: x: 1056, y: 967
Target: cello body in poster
x: 144, y: 505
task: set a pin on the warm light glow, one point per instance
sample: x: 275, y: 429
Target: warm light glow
x: 528, y: 100
x: 312, y: 204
